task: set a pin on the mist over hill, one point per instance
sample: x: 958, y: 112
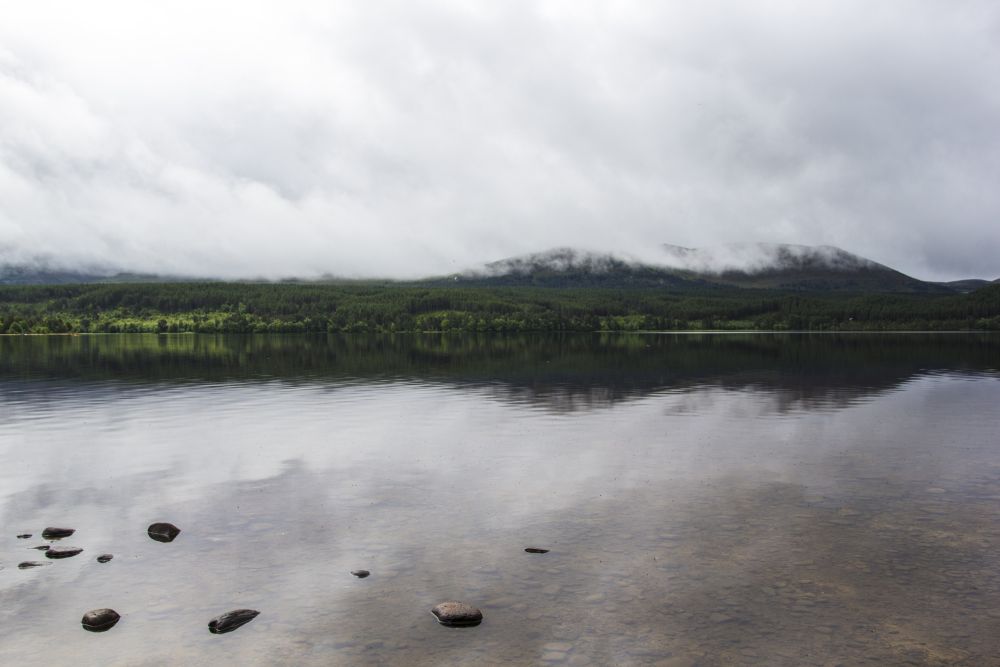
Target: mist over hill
x: 749, y: 266
x: 746, y: 266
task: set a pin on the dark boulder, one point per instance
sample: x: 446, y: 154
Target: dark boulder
x: 457, y: 614
x: 536, y: 550
x: 62, y: 552
x: 104, y: 558
x: 163, y: 532
x: 42, y: 547
x: 24, y: 536
x: 360, y: 574
x: 231, y: 620
x: 28, y: 564
x: 100, y: 620
x: 57, y: 533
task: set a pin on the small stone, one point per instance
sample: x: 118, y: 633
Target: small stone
x: 29, y: 564
x: 231, y: 620
x: 43, y: 547
x: 100, y: 620
x: 57, y: 533
x: 360, y: 574
x: 536, y: 550
x: 24, y: 536
x: 457, y: 614
x: 104, y: 558
x: 62, y: 552
x: 163, y: 532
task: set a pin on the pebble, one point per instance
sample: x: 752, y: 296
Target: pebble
x: 100, y: 620
x: 231, y: 620
x: 163, y: 532
x: 536, y: 550
x: 457, y: 614
x: 43, y: 547
x: 360, y: 574
x: 62, y: 552
x: 30, y: 563
x: 104, y: 558
x: 24, y: 536
x: 57, y: 533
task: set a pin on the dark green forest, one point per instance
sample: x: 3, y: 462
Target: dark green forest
x: 393, y: 307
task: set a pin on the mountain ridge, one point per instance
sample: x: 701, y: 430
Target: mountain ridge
x: 783, y: 267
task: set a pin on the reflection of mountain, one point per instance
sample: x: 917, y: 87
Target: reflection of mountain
x: 561, y: 373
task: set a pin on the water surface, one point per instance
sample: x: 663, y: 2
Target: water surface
x: 728, y: 499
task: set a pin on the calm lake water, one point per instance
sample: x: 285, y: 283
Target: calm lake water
x: 707, y: 499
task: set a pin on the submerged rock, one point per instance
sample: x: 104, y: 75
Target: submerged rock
x: 536, y: 550
x: 360, y: 574
x: 62, y: 552
x: 163, y: 532
x: 30, y: 564
x: 57, y: 533
x: 100, y: 620
x: 104, y: 558
x: 231, y: 620
x: 457, y: 614
x: 24, y: 536
x: 42, y: 547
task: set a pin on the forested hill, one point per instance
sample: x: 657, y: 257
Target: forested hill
x: 750, y: 266
x: 775, y: 266
x: 389, y: 307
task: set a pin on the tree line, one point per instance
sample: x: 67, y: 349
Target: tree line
x: 218, y: 307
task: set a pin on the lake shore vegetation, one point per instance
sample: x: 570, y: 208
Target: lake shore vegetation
x: 374, y: 307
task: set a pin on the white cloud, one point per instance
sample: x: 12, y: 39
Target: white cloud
x: 406, y: 138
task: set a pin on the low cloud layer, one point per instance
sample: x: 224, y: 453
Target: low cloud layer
x: 410, y: 138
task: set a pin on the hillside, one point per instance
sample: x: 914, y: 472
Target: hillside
x: 812, y: 268
x: 567, y: 267
x: 746, y: 266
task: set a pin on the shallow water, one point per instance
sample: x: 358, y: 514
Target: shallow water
x: 730, y: 499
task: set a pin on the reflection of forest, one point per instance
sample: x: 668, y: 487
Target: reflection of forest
x: 561, y: 372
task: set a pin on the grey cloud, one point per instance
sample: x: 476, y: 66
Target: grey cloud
x: 403, y: 139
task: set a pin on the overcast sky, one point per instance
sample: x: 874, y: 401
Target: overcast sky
x: 406, y: 138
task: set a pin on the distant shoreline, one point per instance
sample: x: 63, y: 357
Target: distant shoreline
x: 294, y: 308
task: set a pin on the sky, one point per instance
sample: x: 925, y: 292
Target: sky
x: 408, y: 138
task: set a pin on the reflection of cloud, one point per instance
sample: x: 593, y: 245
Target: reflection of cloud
x: 725, y: 528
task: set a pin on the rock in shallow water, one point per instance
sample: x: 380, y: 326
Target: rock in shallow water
x: 24, y: 536
x: 29, y: 564
x: 536, y: 550
x: 62, y: 552
x: 163, y: 532
x: 100, y: 620
x: 360, y: 574
x: 43, y: 547
x: 457, y: 614
x: 231, y: 620
x: 104, y: 558
x: 57, y: 533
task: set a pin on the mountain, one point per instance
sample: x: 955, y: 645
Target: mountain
x: 795, y: 267
x: 567, y: 267
x: 748, y: 266
x: 32, y: 275
x: 967, y: 285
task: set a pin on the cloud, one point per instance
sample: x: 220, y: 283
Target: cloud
x: 401, y: 138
